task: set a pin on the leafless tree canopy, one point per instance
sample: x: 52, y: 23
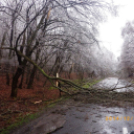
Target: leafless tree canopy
x: 127, y: 62
x: 58, y: 35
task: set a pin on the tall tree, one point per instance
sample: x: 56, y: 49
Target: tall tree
x: 48, y: 24
x: 127, y: 56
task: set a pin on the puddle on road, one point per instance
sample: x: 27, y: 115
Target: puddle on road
x: 77, y: 117
x: 97, y: 120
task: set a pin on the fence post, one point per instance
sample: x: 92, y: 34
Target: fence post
x: 57, y: 82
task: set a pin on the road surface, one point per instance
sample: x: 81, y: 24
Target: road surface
x: 78, y: 117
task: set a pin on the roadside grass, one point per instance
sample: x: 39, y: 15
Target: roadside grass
x: 24, y: 119
x: 78, y: 81
x: 21, y: 120
x: 83, y: 83
x: 86, y: 83
x: 91, y: 83
x: 111, y: 99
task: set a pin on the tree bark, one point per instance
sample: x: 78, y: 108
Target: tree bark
x: 27, y: 75
x: 22, y: 79
x: 32, y: 76
x: 15, y: 82
x: 30, y: 83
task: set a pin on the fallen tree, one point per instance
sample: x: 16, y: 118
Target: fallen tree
x: 80, y: 90
x: 50, y: 32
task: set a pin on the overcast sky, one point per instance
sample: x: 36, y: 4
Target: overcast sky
x: 110, y: 31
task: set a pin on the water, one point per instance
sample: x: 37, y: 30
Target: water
x: 80, y: 118
x: 111, y: 83
x: 96, y: 119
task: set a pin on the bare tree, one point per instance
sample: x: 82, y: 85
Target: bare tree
x: 127, y: 56
x: 48, y: 25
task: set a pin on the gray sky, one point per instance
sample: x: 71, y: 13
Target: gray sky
x: 110, y: 31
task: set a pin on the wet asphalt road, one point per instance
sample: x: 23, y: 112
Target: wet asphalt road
x: 83, y: 118
x: 95, y: 119
x: 80, y: 118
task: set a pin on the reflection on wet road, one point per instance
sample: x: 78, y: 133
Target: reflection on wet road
x: 95, y: 119
x: 77, y: 117
x: 111, y: 82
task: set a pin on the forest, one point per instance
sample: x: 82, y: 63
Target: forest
x: 50, y: 52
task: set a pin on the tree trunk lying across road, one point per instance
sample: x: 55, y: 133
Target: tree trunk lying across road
x: 68, y: 82
x: 71, y: 84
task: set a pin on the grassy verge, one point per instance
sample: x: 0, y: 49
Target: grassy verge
x: 86, y: 83
x: 24, y: 119
x: 90, y: 83
x: 83, y: 83
x: 21, y: 120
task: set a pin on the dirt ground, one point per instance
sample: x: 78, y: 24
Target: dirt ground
x: 28, y: 101
x: 81, y: 114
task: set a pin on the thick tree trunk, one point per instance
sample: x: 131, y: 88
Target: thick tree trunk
x: 30, y: 83
x: 27, y: 75
x: 15, y: 82
x: 7, y: 65
x: 22, y: 79
x: 32, y: 76
x: 38, y: 76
